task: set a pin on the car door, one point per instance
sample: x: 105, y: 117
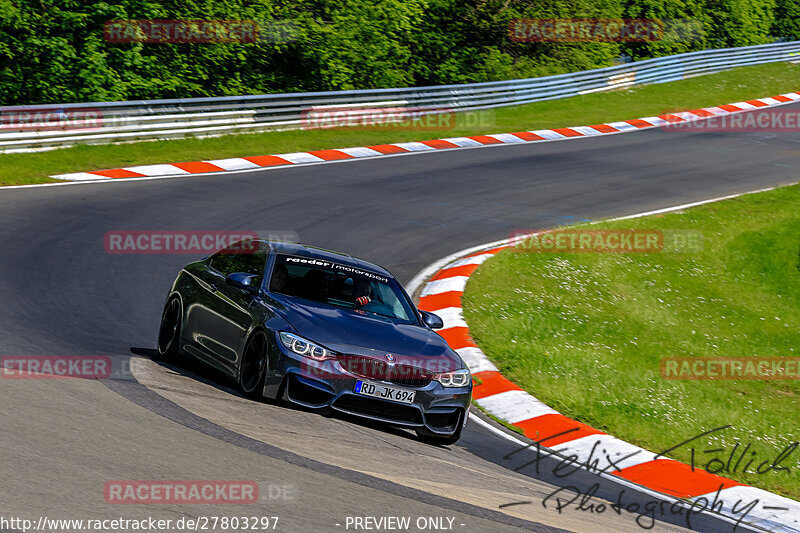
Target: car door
x: 224, y: 317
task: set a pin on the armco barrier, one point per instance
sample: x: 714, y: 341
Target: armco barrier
x: 164, y: 119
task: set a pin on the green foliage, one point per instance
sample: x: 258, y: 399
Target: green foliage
x: 686, y: 26
x: 739, y: 22
x: 787, y: 19
x: 56, y: 51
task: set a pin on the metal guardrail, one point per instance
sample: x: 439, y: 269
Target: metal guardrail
x: 165, y: 119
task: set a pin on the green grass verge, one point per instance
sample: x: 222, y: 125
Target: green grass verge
x: 722, y: 88
x: 585, y: 333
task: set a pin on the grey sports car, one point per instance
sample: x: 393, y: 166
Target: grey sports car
x: 320, y: 329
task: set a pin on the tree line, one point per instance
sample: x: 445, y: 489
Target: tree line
x: 72, y: 50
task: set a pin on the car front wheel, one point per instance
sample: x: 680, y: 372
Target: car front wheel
x: 253, y: 369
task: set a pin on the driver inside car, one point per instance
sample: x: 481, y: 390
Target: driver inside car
x: 280, y: 279
x: 363, y: 292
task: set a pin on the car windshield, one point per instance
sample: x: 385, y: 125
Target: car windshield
x: 340, y: 285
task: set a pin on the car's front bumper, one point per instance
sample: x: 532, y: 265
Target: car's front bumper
x: 436, y: 410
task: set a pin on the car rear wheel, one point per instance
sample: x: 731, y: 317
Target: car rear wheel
x: 253, y: 369
x: 170, y: 330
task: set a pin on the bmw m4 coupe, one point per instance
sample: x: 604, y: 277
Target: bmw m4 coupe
x: 319, y: 329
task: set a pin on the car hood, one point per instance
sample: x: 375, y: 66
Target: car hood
x: 349, y: 332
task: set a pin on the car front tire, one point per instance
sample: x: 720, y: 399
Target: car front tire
x: 253, y: 368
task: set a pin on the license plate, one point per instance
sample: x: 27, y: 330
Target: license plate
x: 383, y: 392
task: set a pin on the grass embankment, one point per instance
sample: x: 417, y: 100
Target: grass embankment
x: 585, y: 332
x: 735, y: 85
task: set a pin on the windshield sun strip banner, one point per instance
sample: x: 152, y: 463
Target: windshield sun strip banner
x: 312, y: 261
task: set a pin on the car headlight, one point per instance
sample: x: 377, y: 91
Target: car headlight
x: 304, y: 347
x: 459, y: 378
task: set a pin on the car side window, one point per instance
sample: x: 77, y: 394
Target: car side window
x: 240, y: 257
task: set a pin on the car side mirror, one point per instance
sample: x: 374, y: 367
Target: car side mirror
x: 243, y: 281
x: 431, y: 320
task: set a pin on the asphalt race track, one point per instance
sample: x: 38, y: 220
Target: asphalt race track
x: 62, y: 294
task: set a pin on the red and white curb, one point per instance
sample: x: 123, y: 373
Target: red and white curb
x: 383, y: 150
x: 442, y: 286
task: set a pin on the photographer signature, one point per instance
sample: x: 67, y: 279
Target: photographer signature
x: 600, y: 462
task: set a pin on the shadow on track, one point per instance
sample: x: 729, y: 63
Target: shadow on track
x: 186, y: 366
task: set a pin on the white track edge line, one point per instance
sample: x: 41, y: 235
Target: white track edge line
x: 102, y: 180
